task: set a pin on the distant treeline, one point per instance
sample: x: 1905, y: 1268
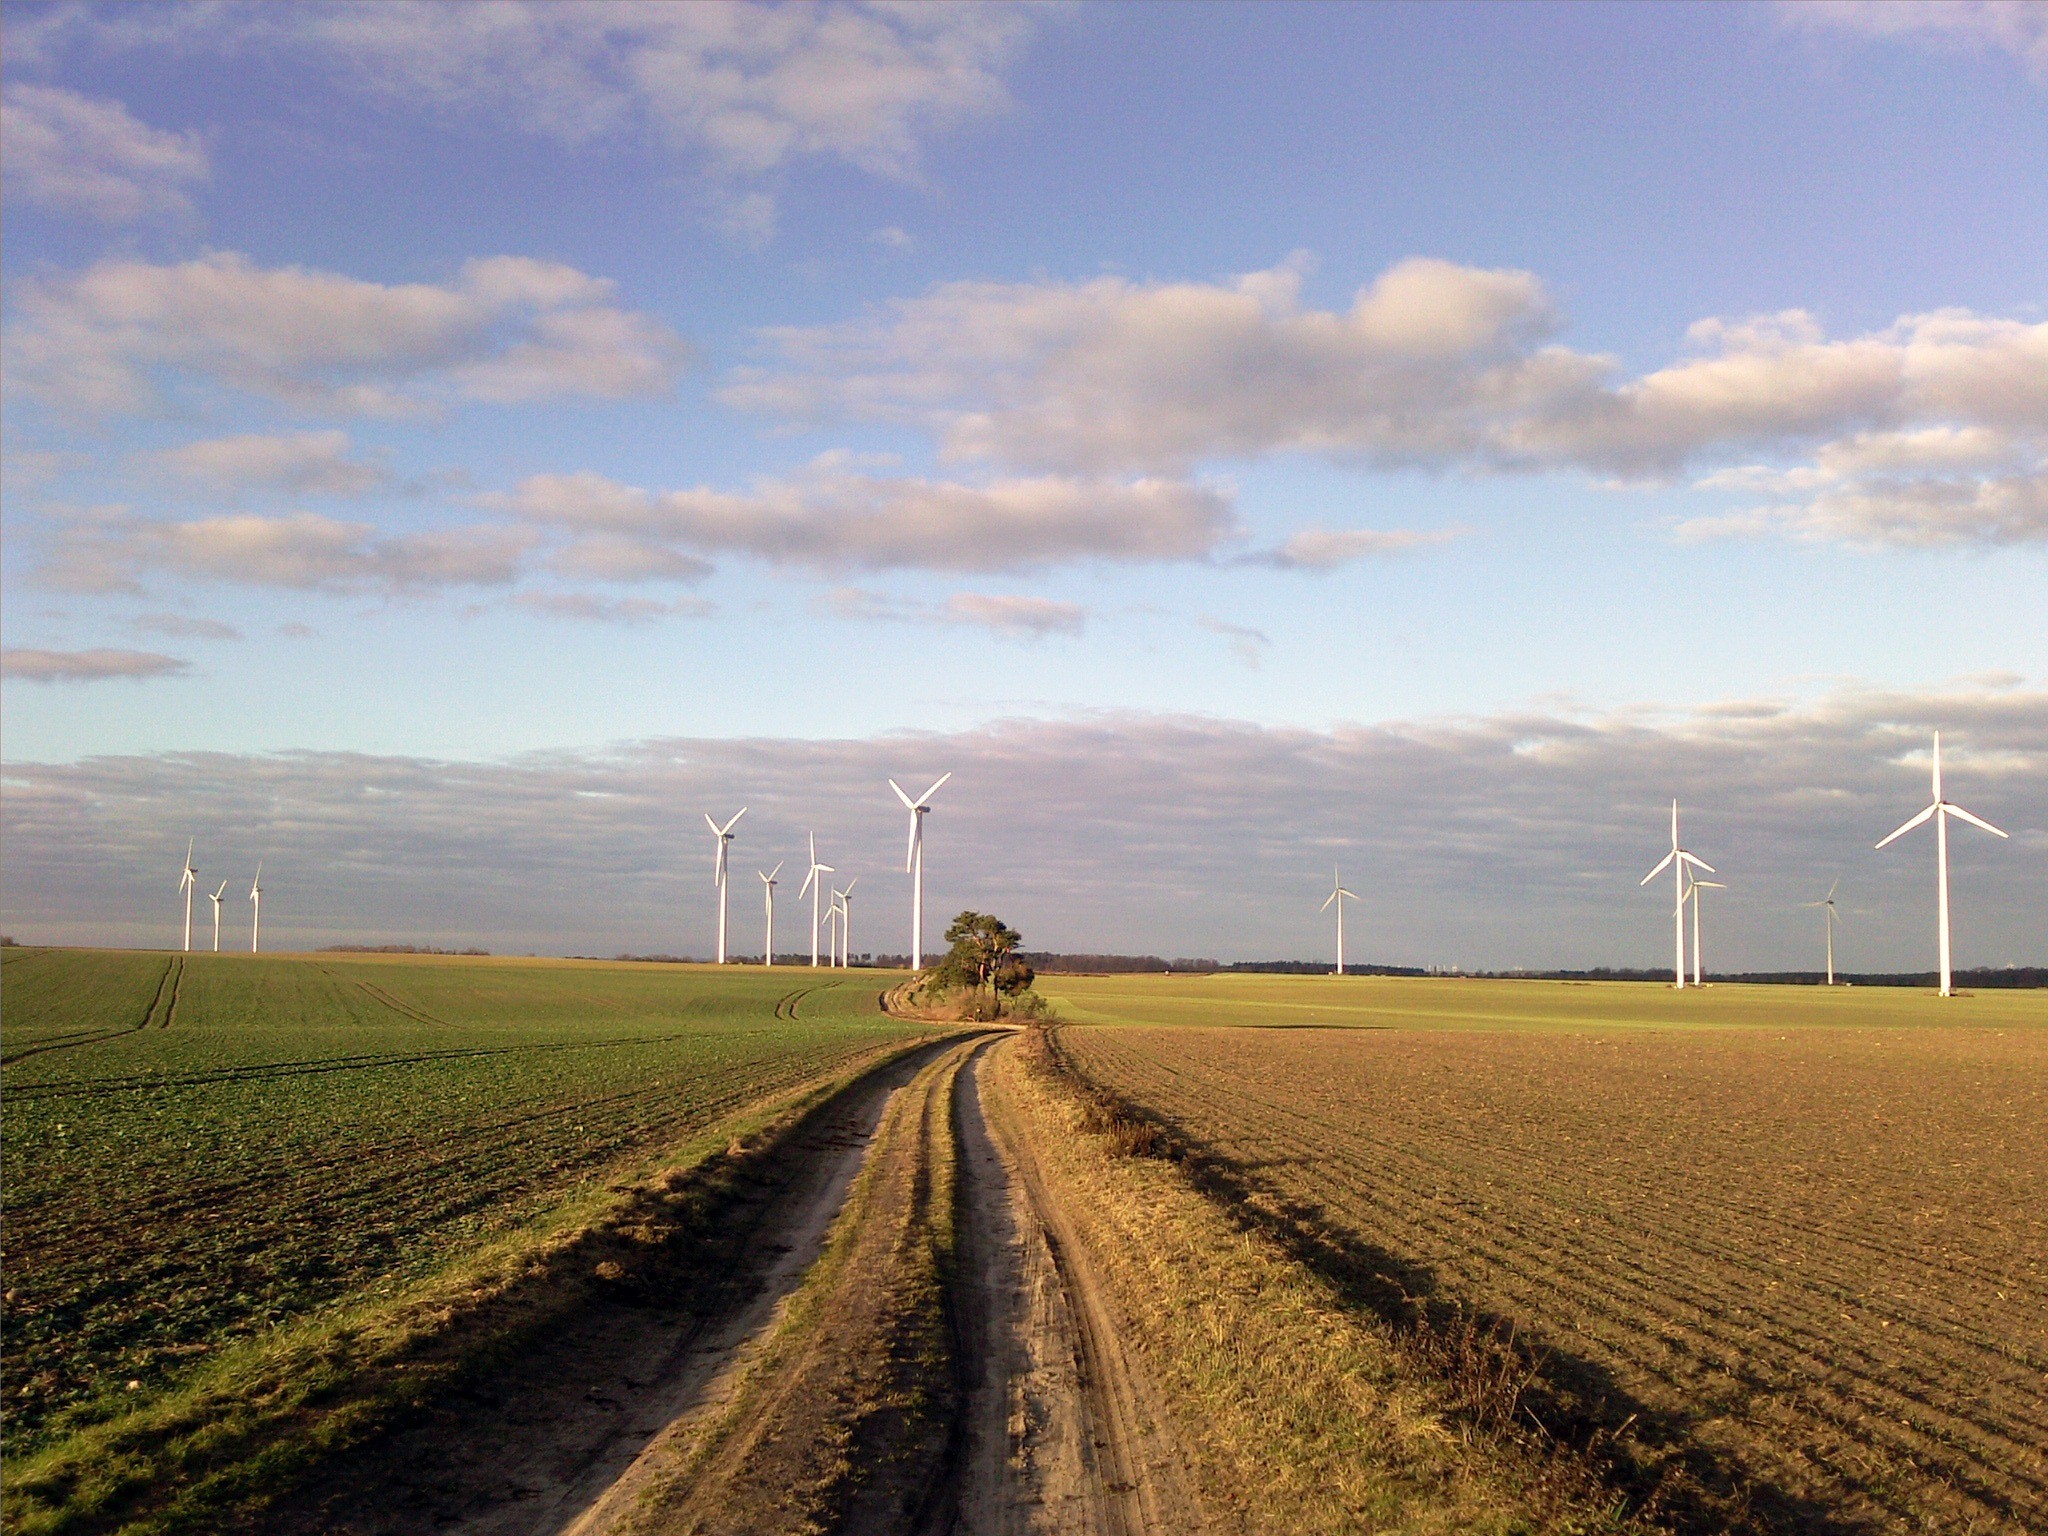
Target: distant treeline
x: 1048, y: 962
x: 803, y: 958
x: 396, y: 949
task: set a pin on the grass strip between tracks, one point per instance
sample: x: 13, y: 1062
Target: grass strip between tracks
x: 1296, y: 1414
x: 262, y: 1415
x: 847, y: 1415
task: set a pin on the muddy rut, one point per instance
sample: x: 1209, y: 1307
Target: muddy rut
x: 899, y: 1336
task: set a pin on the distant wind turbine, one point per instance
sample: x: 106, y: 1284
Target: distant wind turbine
x: 1693, y: 889
x: 256, y: 906
x: 832, y: 931
x: 817, y: 888
x: 846, y: 922
x: 768, y: 885
x: 718, y: 869
x: 187, y: 883
x: 215, y: 899
x: 913, y: 864
x: 1680, y: 858
x: 1338, y: 895
x: 1827, y: 903
x: 1941, y: 810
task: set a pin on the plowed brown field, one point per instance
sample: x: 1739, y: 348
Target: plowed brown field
x: 1811, y: 1265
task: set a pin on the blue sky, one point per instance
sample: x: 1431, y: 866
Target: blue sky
x: 461, y: 384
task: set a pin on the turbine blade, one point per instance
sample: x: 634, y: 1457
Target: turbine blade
x: 1342, y: 892
x: 908, y: 803
x: 1326, y: 902
x: 727, y: 828
x: 1831, y: 889
x: 1662, y: 865
x: 849, y: 887
x: 1909, y: 826
x: 1697, y: 863
x: 1975, y: 821
x: 716, y: 830
x: 809, y: 876
x: 921, y: 799
x: 910, y: 852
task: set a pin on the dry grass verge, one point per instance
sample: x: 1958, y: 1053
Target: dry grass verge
x: 1297, y: 1414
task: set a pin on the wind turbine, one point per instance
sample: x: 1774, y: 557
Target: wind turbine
x: 1680, y: 858
x: 768, y: 884
x: 1827, y: 902
x: 256, y: 903
x: 817, y: 888
x: 832, y: 931
x: 724, y: 836
x: 215, y: 899
x: 1339, y: 895
x: 1692, y: 889
x: 846, y: 922
x: 913, y: 864
x: 188, y: 882
x: 1941, y: 810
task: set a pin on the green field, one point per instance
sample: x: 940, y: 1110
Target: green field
x: 1446, y: 1002
x: 200, y: 1147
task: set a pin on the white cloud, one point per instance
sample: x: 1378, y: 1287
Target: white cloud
x: 304, y: 463
x: 1433, y: 364
x: 1006, y: 614
x: 832, y: 519
x: 110, y: 338
x: 2015, y: 27
x: 117, y: 552
x: 595, y: 608
x: 1133, y: 832
x: 87, y: 666
x: 742, y: 90
x: 1250, y: 644
x: 93, y: 157
x: 184, y: 625
x: 1324, y: 549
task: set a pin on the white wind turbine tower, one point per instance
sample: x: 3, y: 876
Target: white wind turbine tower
x: 1693, y: 889
x: 188, y: 882
x: 1679, y: 858
x: 215, y: 899
x: 256, y: 906
x: 718, y: 869
x: 768, y: 883
x: 913, y: 864
x: 1338, y: 895
x: 845, y: 899
x: 1827, y: 902
x: 817, y: 888
x: 832, y: 931
x: 1941, y: 810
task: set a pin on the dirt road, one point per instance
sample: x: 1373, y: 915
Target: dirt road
x: 898, y: 1335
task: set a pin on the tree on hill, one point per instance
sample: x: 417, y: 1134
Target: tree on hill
x: 983, y: 958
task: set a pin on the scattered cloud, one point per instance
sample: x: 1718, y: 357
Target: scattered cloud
x: 94, y: 158
x: 834, y: 519
x: 596, y: 608
x: 185, y: 626
x: 116, y: 551
x: 1250, y: 644
x: 115, y: 337
x: 891, y: 238
x: 301, y: 463
x: 1324, y: 549
x: 1514, y: 838
x: 2015, y: 27
x: 293, y: 630
x: 741, y: 91
x: 1434, y: 365
x: 87, y: 666
x: 1006, y: 614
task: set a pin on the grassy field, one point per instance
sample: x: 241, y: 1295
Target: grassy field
x: 1783, y: 1251
x: 201, y: 1147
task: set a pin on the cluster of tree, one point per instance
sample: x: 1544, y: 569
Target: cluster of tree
x: 396, y: 949
x: 984, y: 960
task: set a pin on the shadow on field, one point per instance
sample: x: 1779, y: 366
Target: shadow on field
x: 1499, y: 1382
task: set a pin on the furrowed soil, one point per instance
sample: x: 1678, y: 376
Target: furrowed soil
x: 1759, y: 1279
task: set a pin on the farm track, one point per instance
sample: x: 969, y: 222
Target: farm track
x: 740, y: 1416
x: 1723, y: 1315
x: 73, y: 1039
